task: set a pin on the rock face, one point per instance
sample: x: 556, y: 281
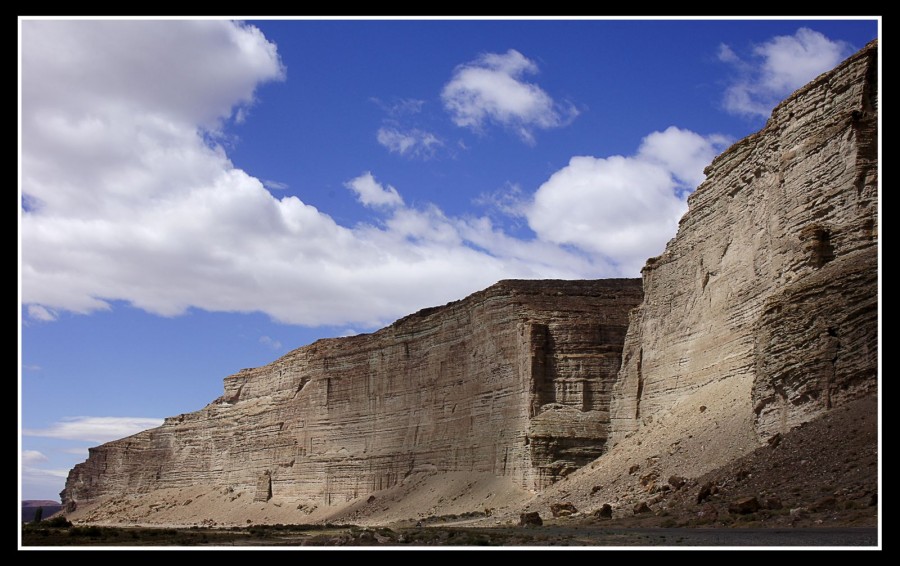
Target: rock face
x: 760, y: 315
x: 772, y: 277
x: 514, y: 380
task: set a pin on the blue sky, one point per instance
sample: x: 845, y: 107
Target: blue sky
x: 199, y: 197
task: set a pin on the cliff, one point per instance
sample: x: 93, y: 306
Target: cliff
x: 760, y: 315
x: 514, y: 381
x: 771, y: 281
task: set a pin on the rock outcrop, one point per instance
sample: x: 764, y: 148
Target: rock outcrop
x: 772, y: 277
x: 760, y: 315
x: 514, y: 380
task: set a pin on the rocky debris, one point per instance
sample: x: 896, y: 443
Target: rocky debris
x: 604, y: 512
x: 648, y: 480
x: 708, y: 512
x: 774, y: 440
x: 744, y: 506
x: 532, y: 519
x: 633, y: 468
x: 677, y: 482
x: 824, y: 504
x: 641, y: 507
x: 596, y: 488
x: 706, y: 491
x: 841, y: 453
x: 562, y: 509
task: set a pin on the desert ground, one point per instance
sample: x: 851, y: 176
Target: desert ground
x: 670, y: 487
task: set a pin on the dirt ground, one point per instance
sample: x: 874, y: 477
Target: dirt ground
x: 695, y: 466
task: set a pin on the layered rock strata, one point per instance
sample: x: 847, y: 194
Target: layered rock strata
x: 514, y: 380
x: 763, y: 307
x: 773, y: 273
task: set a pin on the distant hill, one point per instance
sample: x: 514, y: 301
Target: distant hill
x: 30, y: 507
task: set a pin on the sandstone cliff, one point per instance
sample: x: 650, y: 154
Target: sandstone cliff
x: 771, y: 281
x: 514, y: 380
x: 760, y: 315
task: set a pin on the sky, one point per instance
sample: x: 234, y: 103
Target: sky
x: 201, y: 196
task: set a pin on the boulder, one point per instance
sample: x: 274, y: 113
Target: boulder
x: 532, y: 519
x: 641, y: 507
x: 562, y: 509
x: 744, y: 506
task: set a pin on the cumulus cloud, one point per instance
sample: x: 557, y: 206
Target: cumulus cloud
x: 370, y: 192
x: 94, y: 429
x: 682, y: 153
x: 778, y: 67
x: 491, y: 89
x: 130, y: 198
x: 624, y: 208
x: 410, y: 143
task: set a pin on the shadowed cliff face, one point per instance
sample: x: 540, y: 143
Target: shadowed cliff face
x: 514, y: 380
x: 773, y: 274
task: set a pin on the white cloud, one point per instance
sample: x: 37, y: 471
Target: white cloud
x: 682, y: 152
x: 128, y: 198
x: 727, y: 54
x: 370, y: 192
x: 42, y: 483
x: 95, y: 429
x: 411, y: 143
x: 623, y: 208
x: 37, y: 312
x: 777, y: 68
x: 187, y: 71
x: 32, y: 367
x: 509, y: 200
x: 491, y: 89
x: 43, y: 476
x: 272, y: 343
x: 33, y: 457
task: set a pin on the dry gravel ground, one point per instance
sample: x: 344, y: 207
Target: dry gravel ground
x: 822, y: 475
